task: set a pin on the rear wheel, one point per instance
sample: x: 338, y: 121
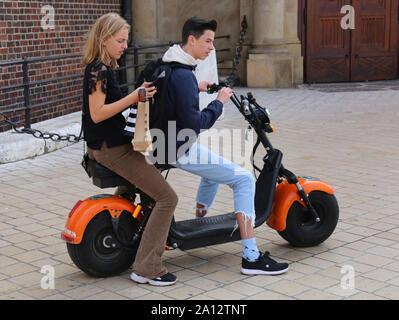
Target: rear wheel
x: 100, y: 254
x: 302, y: 230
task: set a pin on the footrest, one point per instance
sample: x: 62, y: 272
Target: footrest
x: 207, y: 231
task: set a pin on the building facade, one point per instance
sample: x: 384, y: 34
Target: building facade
x: 272, y: 50
x: 288, y: 42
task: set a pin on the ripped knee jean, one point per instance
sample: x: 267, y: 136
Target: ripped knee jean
x: 215, y: 170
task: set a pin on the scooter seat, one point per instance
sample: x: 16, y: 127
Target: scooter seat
x: 164, y: 167
x: 106, y: 178
x: 102, y: 176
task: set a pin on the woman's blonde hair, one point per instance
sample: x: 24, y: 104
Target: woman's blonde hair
x: 105, y: 27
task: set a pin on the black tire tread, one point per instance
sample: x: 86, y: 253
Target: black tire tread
x: 295, y: 236
x: 77, y: 252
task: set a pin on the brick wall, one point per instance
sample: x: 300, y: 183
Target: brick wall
x: 22, y: 35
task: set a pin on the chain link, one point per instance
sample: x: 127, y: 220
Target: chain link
x: 233, y: 76
x: 42, y: 135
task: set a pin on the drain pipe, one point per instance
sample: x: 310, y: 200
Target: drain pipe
x: 126, y: 13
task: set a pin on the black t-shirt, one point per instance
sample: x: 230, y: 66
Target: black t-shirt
x: 110, y: 130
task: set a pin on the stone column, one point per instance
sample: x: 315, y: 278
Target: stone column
x: 144, y: 21
x: 271, y: 59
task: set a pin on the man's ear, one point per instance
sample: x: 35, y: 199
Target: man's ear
x: 191, y: 40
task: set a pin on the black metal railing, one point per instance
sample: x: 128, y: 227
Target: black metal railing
x: 138, y: 50
x: 27, y: 85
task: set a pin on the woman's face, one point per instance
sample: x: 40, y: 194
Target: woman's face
x: 117, y: 44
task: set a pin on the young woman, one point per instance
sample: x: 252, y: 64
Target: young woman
x: 103, y: 128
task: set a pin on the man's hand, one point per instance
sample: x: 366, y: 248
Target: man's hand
x: 224, y: 95
x: 203, y: 86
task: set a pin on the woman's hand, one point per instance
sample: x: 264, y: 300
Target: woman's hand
x: 149, y: 91
x: 99, y: 111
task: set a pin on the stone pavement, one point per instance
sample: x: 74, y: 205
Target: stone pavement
x: 349, y: 139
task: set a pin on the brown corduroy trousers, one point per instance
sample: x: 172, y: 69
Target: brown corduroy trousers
x: 132, y: 165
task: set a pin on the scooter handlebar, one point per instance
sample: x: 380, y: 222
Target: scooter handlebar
x: 216, y: 87
x: 255, y: 116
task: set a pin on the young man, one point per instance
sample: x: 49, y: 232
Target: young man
x: 181, y: 102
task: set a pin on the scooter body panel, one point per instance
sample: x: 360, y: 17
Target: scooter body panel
x: 85, y: 211
x: 286, y: 194
x: 265, y: 188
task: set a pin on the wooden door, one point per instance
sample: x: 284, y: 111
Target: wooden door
x: 368, y: 52
x: 374, y: 40
x: 328, y: 45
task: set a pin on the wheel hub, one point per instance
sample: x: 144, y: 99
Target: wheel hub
x: 105, y: 244
x: 109, y: 242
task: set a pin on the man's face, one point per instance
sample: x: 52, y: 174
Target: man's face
x: 203, y: 46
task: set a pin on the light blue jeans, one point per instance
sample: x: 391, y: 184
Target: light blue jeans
x: 216, y: 170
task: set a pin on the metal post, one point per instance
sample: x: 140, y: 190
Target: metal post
x: 26, y: 93
x: 122, y: 74
x: 126, y: 13
x: 126, y: 9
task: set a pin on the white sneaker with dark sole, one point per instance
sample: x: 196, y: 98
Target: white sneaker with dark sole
x: 166, y: 280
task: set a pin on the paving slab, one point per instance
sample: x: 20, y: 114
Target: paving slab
x: 344, y: 134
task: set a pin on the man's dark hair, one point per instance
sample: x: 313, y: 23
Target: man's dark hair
x: 196, y: 27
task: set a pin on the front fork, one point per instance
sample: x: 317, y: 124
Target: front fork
x: 293, y: 179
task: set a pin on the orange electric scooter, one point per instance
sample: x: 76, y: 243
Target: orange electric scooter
x: 103, y: 232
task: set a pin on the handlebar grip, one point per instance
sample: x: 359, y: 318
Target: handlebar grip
x: 213, y: 88
x: 216, y: 87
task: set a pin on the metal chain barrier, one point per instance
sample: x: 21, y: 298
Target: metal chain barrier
x: 42, y: 135
x: 233, y: 76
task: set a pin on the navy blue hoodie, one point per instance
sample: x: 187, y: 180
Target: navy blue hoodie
x: 181, y: 106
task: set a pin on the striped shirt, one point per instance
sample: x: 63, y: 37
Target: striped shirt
x: 131, y: 122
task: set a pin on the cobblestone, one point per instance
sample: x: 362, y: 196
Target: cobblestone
x: 345, y: 136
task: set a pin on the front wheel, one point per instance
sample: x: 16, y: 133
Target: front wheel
x: 302, y: 230
x: 100, y: 254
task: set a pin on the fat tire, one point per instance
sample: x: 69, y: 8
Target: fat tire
x: 85, y: 256
x: 312, y: 234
